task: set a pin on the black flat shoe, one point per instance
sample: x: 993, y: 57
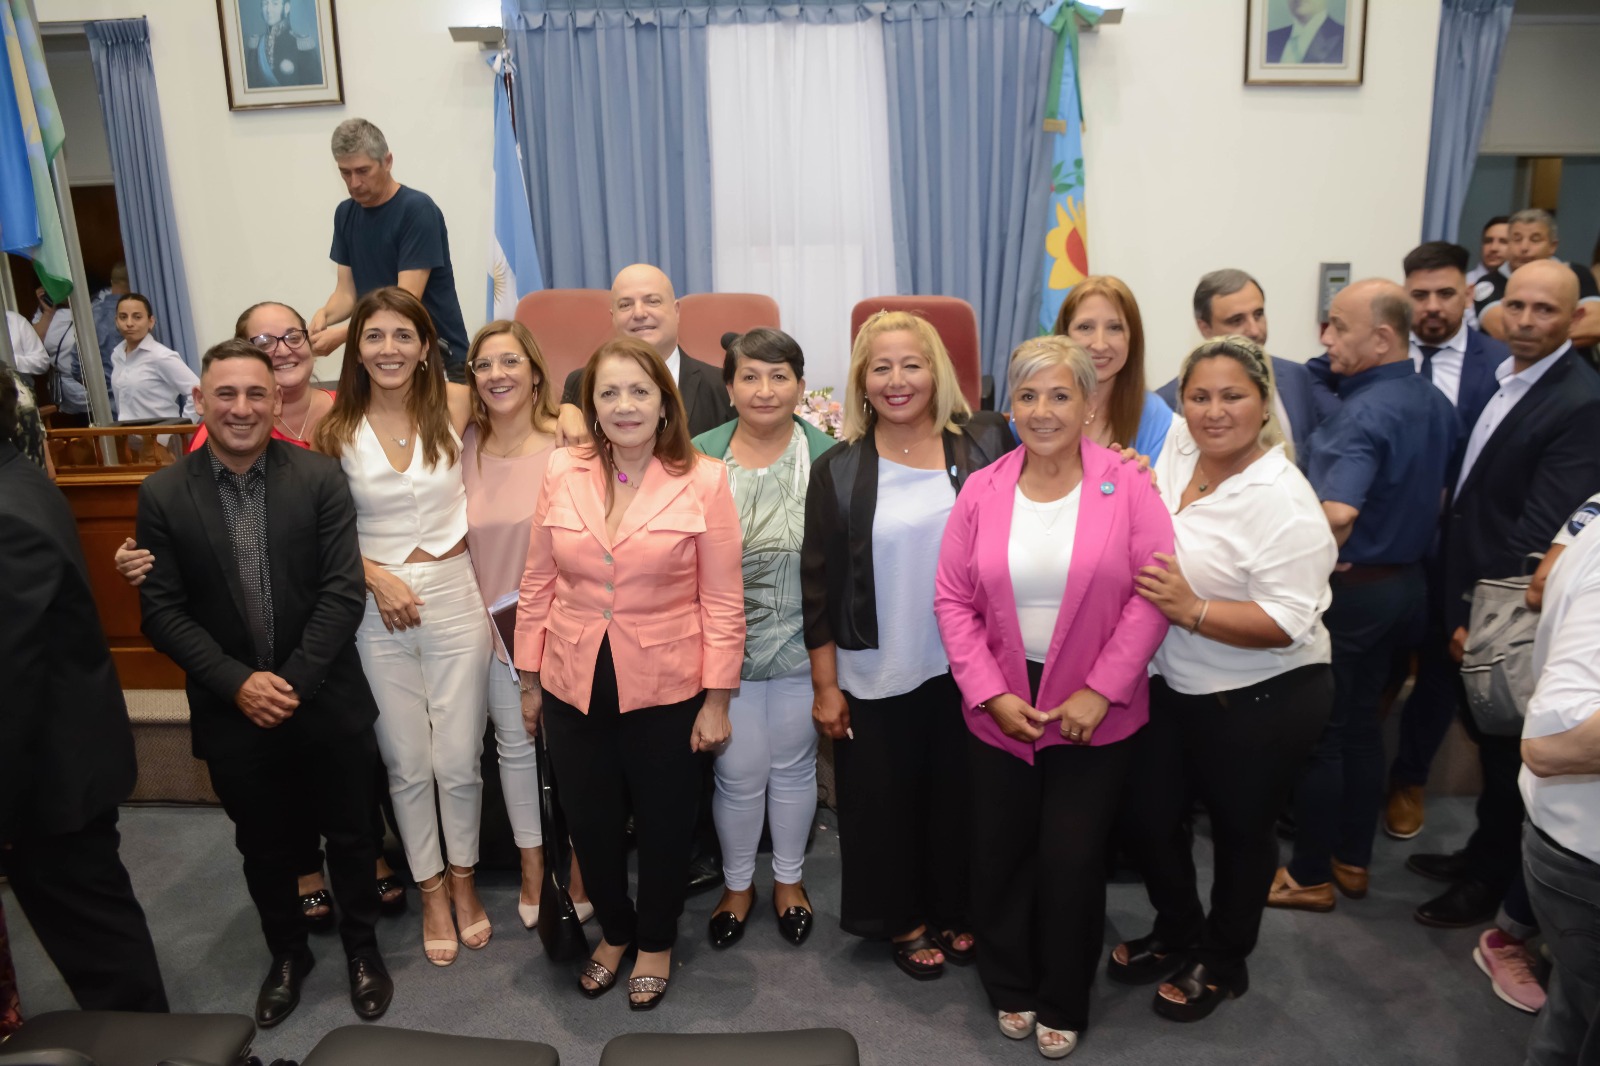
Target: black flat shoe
x: 795, y: 925
x: 1464, y: 904
x: 280, y: 992
x: 654, y: 987
x: 1448, y: 868
x: 726, y: 929
x: 391, y: 906
x: 317, y: 923
x: 705, y: 871
x: 371, y: 988
x: 1202, y: 991
x: 1149, y: 960
x: 947, y: 944
x: 905, y: 950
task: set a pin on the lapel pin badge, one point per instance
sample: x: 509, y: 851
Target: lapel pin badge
x: 1107, y: 488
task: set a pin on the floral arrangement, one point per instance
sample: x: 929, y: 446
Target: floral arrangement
x: 820, y: 409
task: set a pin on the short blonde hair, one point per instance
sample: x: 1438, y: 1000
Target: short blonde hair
x: 1038, y: 354
x: 950, y: 407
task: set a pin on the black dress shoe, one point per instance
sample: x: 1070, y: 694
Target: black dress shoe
x: 1149, y: 959
x: 1449, y: 868
x: 280, y: 992
x: 1464, y: 904
x: 371, y: 988
x: 795, y: 925
x: 705, y: 871
x: 726, y: 929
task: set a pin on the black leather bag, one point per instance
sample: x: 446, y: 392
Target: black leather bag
x: 559, y: 927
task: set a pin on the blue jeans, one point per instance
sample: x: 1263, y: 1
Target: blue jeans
x: 1565, y: 891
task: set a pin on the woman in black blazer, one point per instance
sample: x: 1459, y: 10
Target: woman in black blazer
x: 882, y: 683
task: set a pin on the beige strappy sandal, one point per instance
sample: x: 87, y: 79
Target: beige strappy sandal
x: 475, y: 928
x: 452, y: 945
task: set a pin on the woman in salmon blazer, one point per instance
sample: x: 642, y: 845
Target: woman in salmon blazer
x: 1049, y: 641
x: 630, y: 636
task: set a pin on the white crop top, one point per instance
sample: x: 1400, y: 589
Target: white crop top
x: 399, y: 511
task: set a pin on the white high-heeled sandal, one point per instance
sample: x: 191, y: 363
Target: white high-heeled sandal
x: 453, y: 946
x: 1056, y: 1051
x: 1019, y: 1029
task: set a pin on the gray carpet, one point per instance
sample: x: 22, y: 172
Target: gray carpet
x: 1365, y: 984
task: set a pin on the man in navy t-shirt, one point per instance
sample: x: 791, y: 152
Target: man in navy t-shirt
x: 387, y: 234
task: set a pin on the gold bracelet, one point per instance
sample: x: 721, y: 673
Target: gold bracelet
x: 1205, y: 605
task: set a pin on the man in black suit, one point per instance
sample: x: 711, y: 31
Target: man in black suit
x: 644, y: 305
x: 257, y: 594
x: 1531, y: 460
x: 1461, y: 363
x: 1313, y: 37
x: 66, y: 750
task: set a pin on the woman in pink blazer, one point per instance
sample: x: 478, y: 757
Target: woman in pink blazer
x: 1049, y: 642
x: 630, y: 636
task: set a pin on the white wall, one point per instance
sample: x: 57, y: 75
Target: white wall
x: 1189, y: 170
x: 255, y: 190
x: 1545, y: 97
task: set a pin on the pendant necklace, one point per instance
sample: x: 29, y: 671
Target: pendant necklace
x: 302, y: 434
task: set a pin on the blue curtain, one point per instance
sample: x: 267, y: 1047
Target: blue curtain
x: 970, y: 163
x: 611, y: 115
x: 1472, y: 34
x: 126, y: 79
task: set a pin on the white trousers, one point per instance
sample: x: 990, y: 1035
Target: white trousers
x: 519, y: 769
x: 432, y: 696
x: 770, y: 766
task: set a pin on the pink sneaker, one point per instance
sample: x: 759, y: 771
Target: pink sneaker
x: 1509, y: 966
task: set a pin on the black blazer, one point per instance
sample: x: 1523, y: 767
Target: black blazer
x: 705, y: 398
x: 66, y: 750
x: 1540, y: 463
x: 193, y: 603
x: 837, y: 589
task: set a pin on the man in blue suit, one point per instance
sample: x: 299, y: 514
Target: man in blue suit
x: 1461, y: 362
x: 1313, y: 37
x: 1231, y: 301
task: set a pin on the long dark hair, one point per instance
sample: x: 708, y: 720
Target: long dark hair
x: 429, y: 402
x: 673, y: 447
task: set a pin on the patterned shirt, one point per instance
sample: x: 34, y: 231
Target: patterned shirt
x: 244, y: 506
x: 772, y: 506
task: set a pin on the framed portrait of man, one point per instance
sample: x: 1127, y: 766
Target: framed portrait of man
x: 280, y: 53
x: 1304, y: 42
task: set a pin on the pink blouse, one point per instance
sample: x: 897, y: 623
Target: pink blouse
x: 501, y: 494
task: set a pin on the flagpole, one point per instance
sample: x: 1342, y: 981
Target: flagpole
x: 89, y: 364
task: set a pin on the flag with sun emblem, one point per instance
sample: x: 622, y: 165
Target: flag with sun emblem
x: 1066, y: 252
x: 513, y: 261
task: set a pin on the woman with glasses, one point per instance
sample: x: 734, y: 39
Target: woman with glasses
x: 277, y: 329
x: 504, y: 451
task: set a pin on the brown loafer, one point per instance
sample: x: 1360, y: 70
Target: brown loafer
x: 1289, y: 894
x: 1402, y: 817
x: 1352, y: 880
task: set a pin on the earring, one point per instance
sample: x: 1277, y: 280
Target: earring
x: 597, y: 434
x: 1086, y: 421
x: 424, y: 364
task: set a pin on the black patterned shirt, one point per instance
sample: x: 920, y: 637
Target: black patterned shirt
x: 244, y: 506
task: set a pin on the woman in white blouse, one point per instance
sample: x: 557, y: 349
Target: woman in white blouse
x: 1242, y: 682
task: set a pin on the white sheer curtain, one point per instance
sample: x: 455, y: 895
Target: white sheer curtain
x: 800, y: 177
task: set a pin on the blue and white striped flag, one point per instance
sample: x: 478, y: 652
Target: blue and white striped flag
x: 513, y: 261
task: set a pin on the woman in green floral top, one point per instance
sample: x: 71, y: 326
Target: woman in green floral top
x: 770, y: 765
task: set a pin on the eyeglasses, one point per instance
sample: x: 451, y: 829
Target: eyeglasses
x: 510, y: 362
x: 267, y: 342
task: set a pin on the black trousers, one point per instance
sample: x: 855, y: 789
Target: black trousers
x: 76, y: 894
x: 1494, y: 851
x: 275, y: 794
x: 311, y: 859
x: 604, y: 759
x: 1340, y: 794
x: 1038, y: 873
x: 1239, y: 752
x: 904, y: 808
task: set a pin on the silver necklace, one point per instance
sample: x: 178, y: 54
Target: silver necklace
x: 1038, y: 514
x: 302, y: 434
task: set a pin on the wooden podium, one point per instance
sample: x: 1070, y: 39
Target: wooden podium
x: 104, y: 497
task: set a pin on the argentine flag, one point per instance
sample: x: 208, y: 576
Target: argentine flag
x: 513, y: 263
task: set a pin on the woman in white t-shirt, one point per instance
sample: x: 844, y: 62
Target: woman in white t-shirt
x: 1242, y: 684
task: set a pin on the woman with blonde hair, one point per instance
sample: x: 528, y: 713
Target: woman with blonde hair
x: 395, y: 427
x: 875, y: 511
x: 1101, y: 315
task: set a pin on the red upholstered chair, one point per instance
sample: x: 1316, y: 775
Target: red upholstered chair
x: 569, y: 325
x: 958, y: 328
x: 705, y: 316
